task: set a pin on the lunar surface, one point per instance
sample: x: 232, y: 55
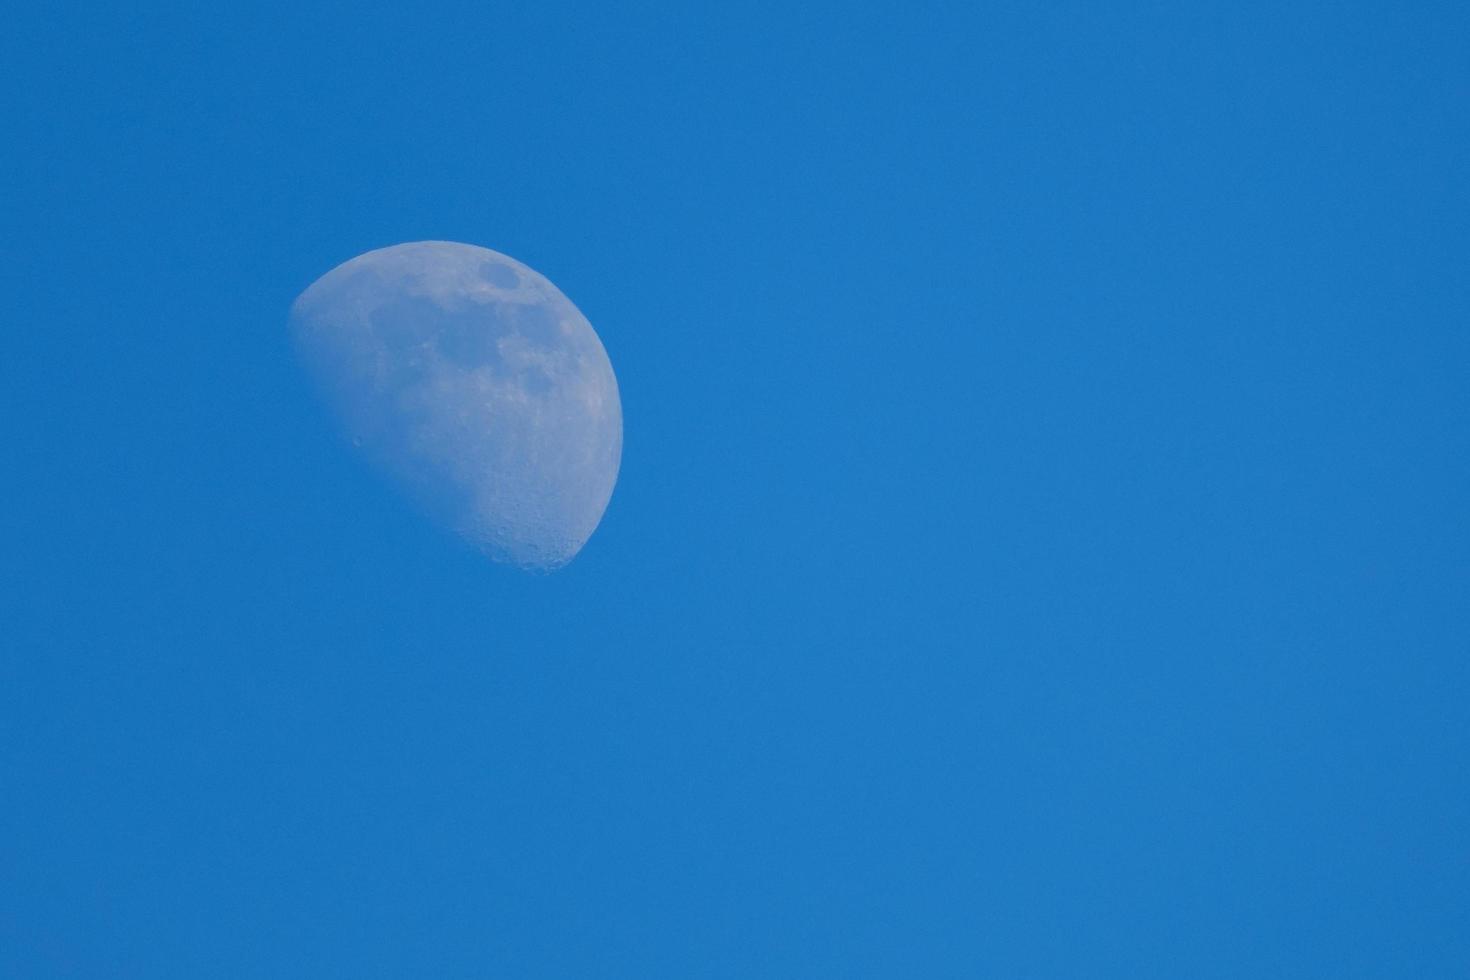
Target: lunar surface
x: 479, y: 386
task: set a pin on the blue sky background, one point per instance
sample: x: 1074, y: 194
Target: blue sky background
x: 1041, y: 543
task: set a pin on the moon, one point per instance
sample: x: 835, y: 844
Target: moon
x: 477, y: 385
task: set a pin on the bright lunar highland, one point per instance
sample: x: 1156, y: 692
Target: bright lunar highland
x: 478, y: 385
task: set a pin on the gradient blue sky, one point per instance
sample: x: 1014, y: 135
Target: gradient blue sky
x: 1041, y: 545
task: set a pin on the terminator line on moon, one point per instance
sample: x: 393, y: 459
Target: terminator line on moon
x: 478, y: 385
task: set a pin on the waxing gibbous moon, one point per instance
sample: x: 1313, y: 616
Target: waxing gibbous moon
x: 472, y: 380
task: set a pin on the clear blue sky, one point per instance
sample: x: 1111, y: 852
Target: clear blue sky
x: 1041, y: 544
